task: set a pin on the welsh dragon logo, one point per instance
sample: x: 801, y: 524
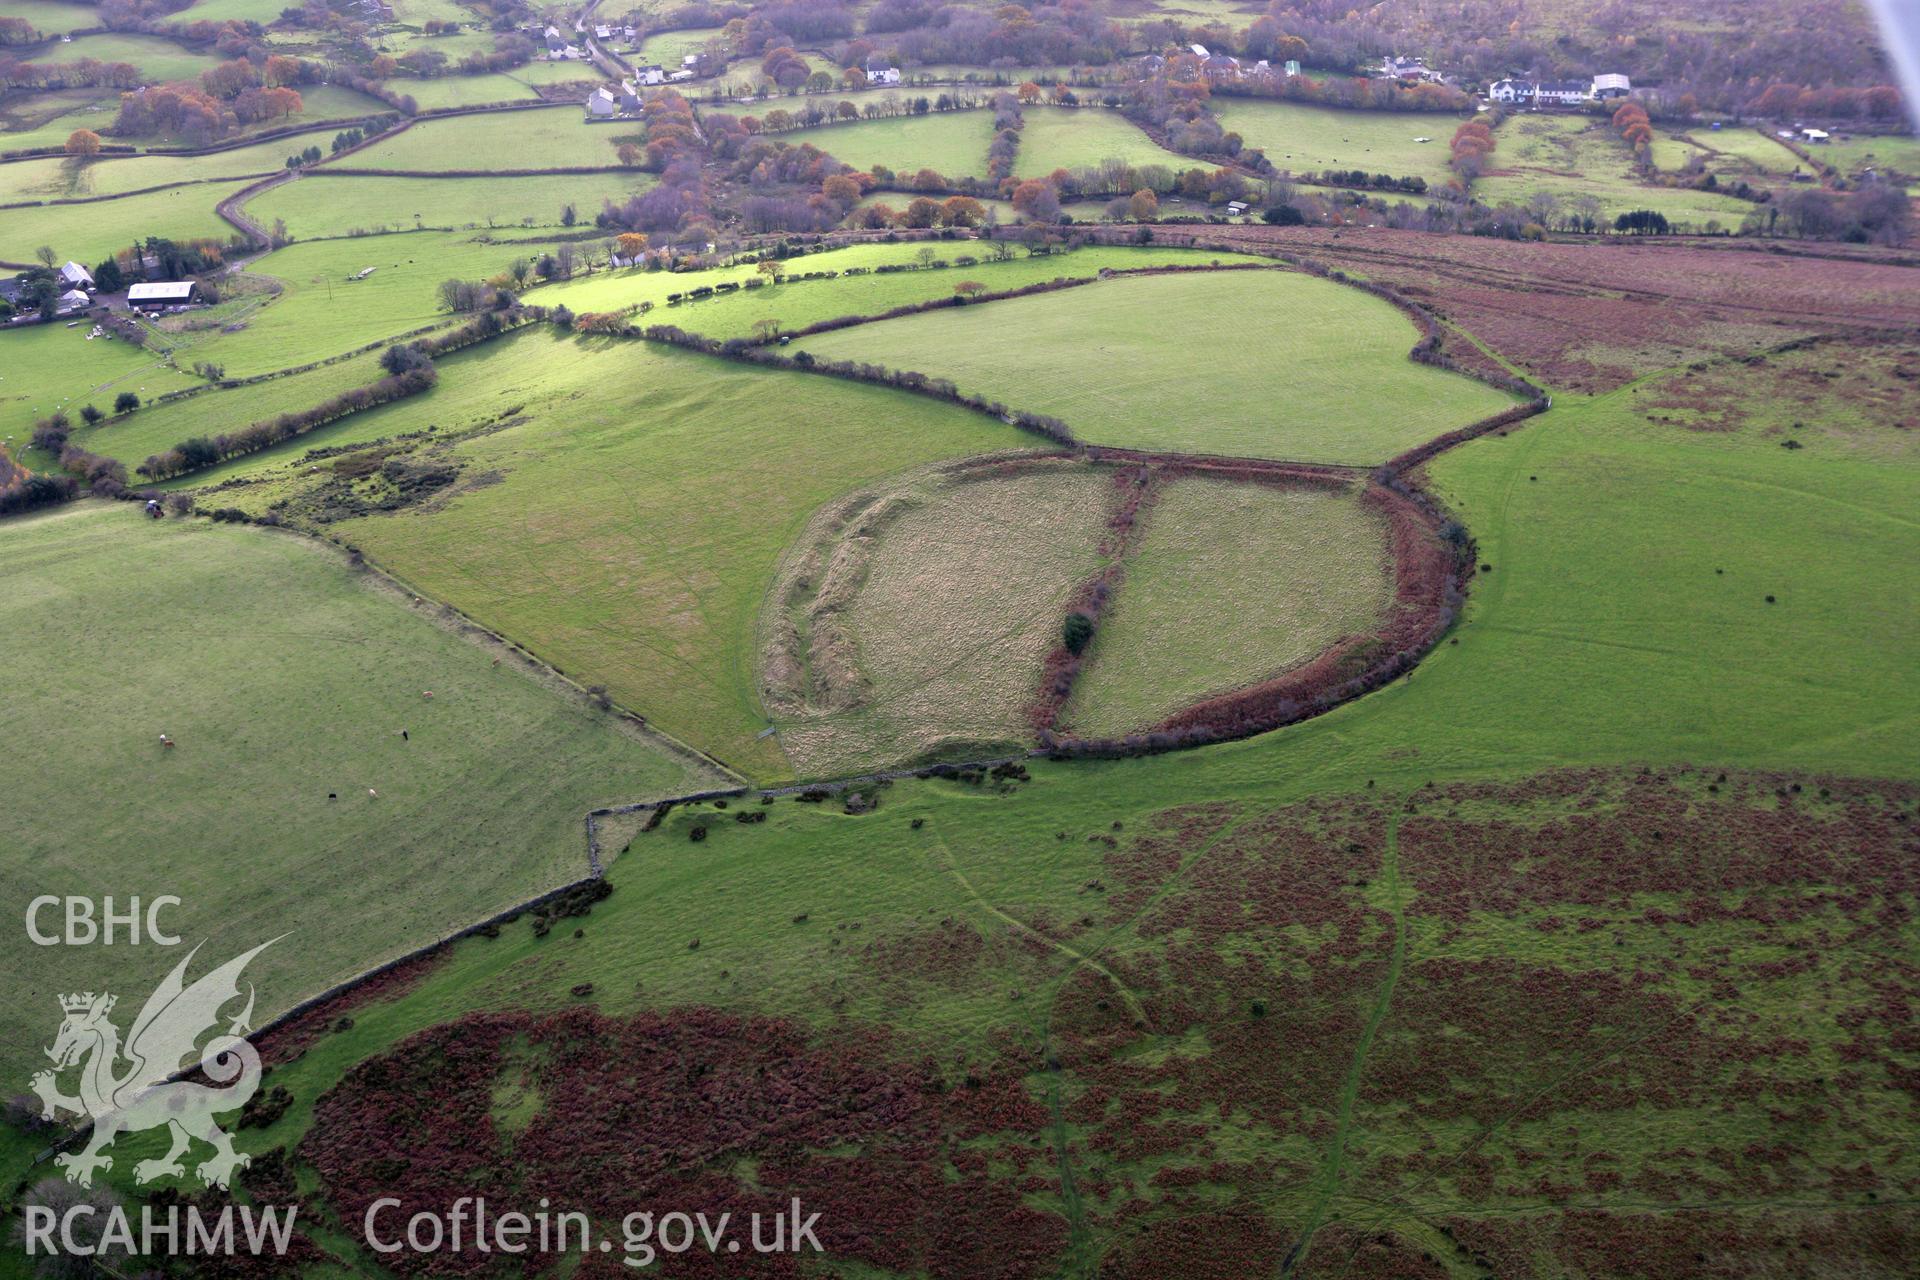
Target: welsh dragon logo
x: 137, y: 1096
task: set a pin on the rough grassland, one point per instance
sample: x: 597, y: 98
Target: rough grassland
x: 324, y: 205
x: 46, y: 367
x: 501, y: 142
x: 89, y: 232
x: 623, y: 509
x: 1570, y: 157
x: 1081, y: 137
x: 1752, y: 147
x: 1232, y: 584
x: 1306, y: 139
x: 1268, y: 364
x: 953, y: 143
x: 282, y: 677
x: 912, y: 620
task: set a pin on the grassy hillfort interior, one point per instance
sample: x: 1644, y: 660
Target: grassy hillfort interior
x: 1106, y: 639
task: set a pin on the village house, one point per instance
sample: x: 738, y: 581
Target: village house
x: 75, y: 276
x: 71, y: 301
x: 163, y: 294
x: 652, y: 73
x: 1611, y: 85
x: 1819, y: 137
x: 602, y: 105
x: 1539, y: 93
x: 1221, y: 67
x: 880, y: 71
x: 1408, y: 70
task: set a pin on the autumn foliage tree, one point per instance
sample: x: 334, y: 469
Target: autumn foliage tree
x: 83, y: 142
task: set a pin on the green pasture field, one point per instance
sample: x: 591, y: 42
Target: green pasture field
x: 1694, y: 209
x: 159, y: 60
x: 322, y: 204
x: 611, y: 290
x: 90, y: 231
x: 621, y: 467
x: 669, y: 47
x: 282, y: 677
x: 1231, y: 584
x: 1081, y: 137
x: 953, y: 143
x: 44, y: 367
x: 540, y: 71
x: 911, y: 621
x: 799, y: 303
x: 325, y: 312
x: 58, y: 177
x: 1269, y: 364
x: 465, y: 91
x: 502, y: 142
x: 1753, y: 148
x: 155, y: 428
x: 51, y: 18
x: 1306, y: 139
x: 1854, y: 153
x: 47, y: 119
x: 261, y: 11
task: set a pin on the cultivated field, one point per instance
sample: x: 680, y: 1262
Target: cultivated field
x: 1081, y: 137
x: 1230, y: 584
x: 1305, y: 139
x: 911, y: 621
x: 285, y: 681
x: 1265, y: 364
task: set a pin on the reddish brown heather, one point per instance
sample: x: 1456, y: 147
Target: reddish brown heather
x: 1587, y: 317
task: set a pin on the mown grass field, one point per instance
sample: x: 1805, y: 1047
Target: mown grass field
x: 91, y: 230
x: 50, y: 367
x: 1231, y: 584
x: 1306, y: 139
x: 465, y: 91
x: 623, y: 509
x: 283, y: 677
x: 911, y: 621
x: 323, y: 205
x: 1266, y: 364
x: 953, y: 143
x: 1081, y: 137
x: 500, y: 142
